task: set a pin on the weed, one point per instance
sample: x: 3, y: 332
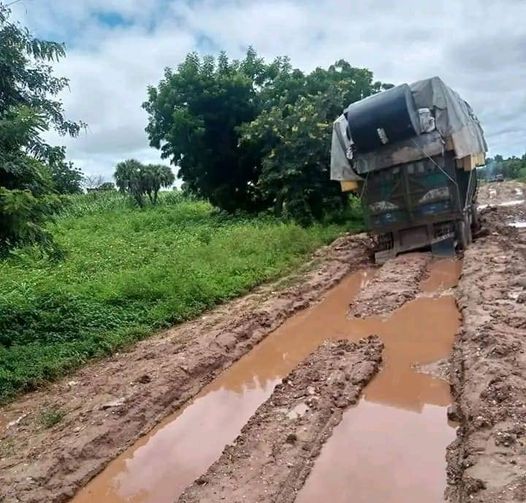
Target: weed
x: 127, y: 272
x: 51, y: 416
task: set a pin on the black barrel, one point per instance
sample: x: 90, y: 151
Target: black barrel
x: 386, y: 117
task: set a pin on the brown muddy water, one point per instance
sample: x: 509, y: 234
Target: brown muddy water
x: 391, y: 446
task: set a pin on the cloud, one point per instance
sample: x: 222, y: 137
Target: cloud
x: 118, y: 47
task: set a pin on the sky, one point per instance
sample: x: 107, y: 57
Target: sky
x: 116, y: 48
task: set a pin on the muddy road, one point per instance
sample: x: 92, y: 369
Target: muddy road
x: 272, y: 456
x: 252, y: 403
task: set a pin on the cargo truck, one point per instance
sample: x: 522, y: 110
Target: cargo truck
x: 410, y: 153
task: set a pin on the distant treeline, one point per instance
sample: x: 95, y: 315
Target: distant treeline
x: 511, y: 167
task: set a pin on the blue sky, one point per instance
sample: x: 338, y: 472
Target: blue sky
x: 116, y: 48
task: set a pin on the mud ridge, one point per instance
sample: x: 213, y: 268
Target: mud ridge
x: 109, y: 404
x: 397, y: 282
x: 272, y: 457
x: 487, y: 462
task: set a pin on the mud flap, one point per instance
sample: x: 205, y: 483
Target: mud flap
x: 444, y: 248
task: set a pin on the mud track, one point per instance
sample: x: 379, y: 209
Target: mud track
x: 111, y: 403
x: 271, y: 458
x: 487, y: 463
x: 389, y: 289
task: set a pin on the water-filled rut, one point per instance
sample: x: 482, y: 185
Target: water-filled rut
x: 392, y: 443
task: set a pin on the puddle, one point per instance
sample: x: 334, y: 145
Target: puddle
x: 382, y: 454
x: 400, y: 429
x: 398, y: 433
x: 443, y: 275
x: 159, y: 466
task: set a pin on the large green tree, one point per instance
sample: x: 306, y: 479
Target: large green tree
x: 28, y: 108
x: 249, y: 135
x: 194, y: 116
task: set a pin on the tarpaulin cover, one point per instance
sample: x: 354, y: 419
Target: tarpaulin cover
x: 454, y: 119
x: 340, y: 166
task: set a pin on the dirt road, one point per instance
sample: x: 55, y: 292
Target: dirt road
x: 488, y: 462
x: 272, y: 456
x: 507, y: 193
x: 208, y: 381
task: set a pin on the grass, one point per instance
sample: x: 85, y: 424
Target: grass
x: 51, y: 416
x: 128, y: 272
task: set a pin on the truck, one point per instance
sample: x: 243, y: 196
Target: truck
x: 410, y: 153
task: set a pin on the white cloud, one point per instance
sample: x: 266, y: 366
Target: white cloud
x: 118, y: 47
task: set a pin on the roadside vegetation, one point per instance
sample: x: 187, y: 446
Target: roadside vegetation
x: 127, y: 272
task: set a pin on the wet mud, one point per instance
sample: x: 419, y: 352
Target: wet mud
x: 271, y: 457
x: 420, y: 331
x: 108, y: 405
x: 487, y: 463
x: 506, y: 193
x: 194, y: 437
x: 165, y: 410
x: 396, y: 283
x: 392, y: 445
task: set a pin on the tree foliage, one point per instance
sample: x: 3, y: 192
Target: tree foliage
x: 194, y: 115
x: 28, y: 108
x: 139, y: 180
x: 294, y: 137
x: 67, y: 179
x: 250, y: 135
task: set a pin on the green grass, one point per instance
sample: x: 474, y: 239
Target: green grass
x: 51, y: 416
x: 127, y: 272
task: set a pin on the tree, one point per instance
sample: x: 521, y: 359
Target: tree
x: 128, y: 179
x: 153, y: 177
x: 232, y: 129
x: 194, y: 116
x: 67, y: 179
x: 139, y: 180
x: 294, y: 135
x: 92, y: 182
x: 28, y: 108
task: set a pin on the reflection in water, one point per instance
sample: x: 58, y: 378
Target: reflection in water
x: 159, y: 466
x: 381, y: 454
x: 171, y: 458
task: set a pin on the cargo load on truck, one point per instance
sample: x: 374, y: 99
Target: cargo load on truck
x: 411, y: 154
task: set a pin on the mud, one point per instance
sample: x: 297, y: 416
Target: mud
x: 389, y: 288
x: 487, y: 463
x: 217, y: 414
x: 166, y: 409
x: 162, y: 464
x: 391, y: 446
x: 271, y: 458
x: 507, y: 193
x: 111, y: 403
